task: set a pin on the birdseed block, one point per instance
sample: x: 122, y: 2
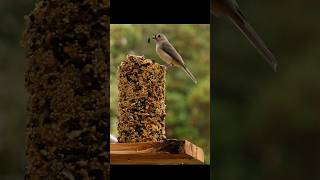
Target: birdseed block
x: 67, y: 133
x: 141, y: 100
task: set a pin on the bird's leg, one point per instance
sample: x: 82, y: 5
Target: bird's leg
x: 166, y: 66
x: 169, y: 65
x: 142, y: 56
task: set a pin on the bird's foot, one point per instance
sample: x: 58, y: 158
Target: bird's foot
x: 142, y: 56
x: 165, y: 66
x: 169, y: 65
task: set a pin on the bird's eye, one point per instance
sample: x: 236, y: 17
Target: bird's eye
x: 158, y: 35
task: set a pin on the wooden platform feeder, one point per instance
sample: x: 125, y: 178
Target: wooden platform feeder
x: 165, y: 152
x: 141, y: 125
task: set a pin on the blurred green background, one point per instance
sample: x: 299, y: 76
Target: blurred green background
x: 188, y: 105
x: 266, y: 124
x: 12, y: 91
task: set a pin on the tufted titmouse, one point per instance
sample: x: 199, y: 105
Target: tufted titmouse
x: 230, y: 9
x: 170, y: 55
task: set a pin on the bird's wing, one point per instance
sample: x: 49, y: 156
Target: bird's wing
x: 172, y: 52
x: 247, y: 30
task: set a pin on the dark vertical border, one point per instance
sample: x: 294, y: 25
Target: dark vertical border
x: 211, y: 93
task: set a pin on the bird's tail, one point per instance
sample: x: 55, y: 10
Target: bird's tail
x: 240, y: 21
x: 190, y: 74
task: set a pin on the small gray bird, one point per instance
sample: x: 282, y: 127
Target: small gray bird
x: 170, y: 55
x: 230, y: 9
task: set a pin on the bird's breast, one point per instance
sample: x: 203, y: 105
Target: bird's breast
x: 163, y: 55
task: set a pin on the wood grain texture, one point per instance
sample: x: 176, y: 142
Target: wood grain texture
x: 167, y: 152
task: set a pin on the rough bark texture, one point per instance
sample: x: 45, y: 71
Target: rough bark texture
x: 141, y: 100
x: 67, y: 81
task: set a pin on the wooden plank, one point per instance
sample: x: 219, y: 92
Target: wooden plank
x: 167, y: 152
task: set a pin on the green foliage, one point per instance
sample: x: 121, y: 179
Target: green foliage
x: 188, y: 105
